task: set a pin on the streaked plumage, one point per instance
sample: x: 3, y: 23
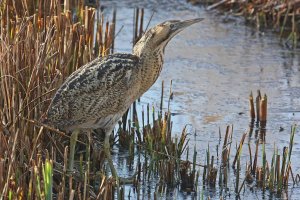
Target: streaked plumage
x: 98, y: 94
x: 93, y: 96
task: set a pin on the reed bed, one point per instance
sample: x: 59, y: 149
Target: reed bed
x: 281, y: 16
x: 273, y: 174
x: 42, y: 42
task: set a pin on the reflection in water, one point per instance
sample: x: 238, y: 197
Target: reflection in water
x: 214, y: 66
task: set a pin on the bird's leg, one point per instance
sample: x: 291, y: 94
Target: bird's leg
x: 111, y: 164
x: 73, y: 140
x: 108, y: 156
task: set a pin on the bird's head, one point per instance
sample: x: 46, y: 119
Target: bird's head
x: 158, y: 36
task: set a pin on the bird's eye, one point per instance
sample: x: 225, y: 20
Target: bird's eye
x: 171, y: 26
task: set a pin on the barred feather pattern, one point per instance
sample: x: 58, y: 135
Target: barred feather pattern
x: 97, y: 94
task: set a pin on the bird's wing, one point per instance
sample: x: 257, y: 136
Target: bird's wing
x: 95, y: 90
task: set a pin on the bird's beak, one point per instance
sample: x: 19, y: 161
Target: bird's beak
x: 183, y: 24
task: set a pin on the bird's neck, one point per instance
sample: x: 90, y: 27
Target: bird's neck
x: 151, y: 61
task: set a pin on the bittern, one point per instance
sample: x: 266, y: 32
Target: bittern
x: 97, y: 95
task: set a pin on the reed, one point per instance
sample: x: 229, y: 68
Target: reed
x: 48, y: 180
x: 251, y: 105
x: 223, y: 175
x: 260, y: 112
x: 42, y: 43
x: 275, y: 177
x: 239, y: 150
x: 263, y: 109
x: 258, y: 99
x: 237, y: 181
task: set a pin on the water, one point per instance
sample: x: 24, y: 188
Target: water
x: 214, y: 65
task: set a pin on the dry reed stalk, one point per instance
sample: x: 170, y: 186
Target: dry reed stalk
x: 292, y: 175
x: 237, y: 181
x: 223, y: 175
x: 135, y: 26
x: 141, y: 31
x: 248, y: 176
x: 277, y: 168
x: 258, y: 98
x: 2, y: 172
x: 255, y: 158
x: 212, y: 174
x: 263, y: 109
x: 250, y: 157
x: 239, y: 150
x: 138, y: 24
x: 226, y: 148
x: 251, y: 106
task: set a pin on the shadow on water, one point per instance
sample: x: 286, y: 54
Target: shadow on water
x: 214, y: 66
